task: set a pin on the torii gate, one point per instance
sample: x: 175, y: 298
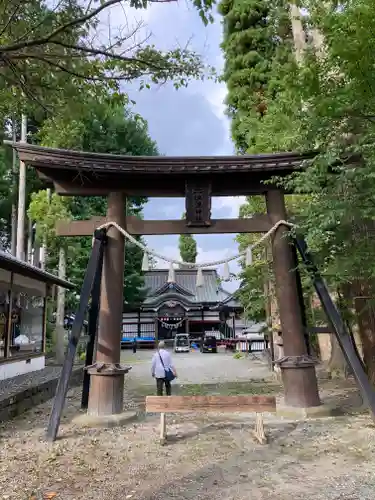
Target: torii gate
x: 74, y: 173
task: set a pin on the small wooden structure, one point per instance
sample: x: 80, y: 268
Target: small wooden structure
x: 213, y: 404
x: 75, y: 173
x: 24, y: 290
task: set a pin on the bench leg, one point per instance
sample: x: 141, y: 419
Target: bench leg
x: 163, y: 429
x: 259, y: 433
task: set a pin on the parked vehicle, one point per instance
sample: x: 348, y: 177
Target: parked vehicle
x: 181, y: 343
x: 209, y: 344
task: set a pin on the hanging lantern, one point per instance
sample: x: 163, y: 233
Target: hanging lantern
x: 145, y: 262
x: 200, y: 279
x: 171, y: 274
x: 226, y: 272
x: 249, y: 256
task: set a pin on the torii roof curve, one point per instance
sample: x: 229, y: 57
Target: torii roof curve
x: 84, y: 173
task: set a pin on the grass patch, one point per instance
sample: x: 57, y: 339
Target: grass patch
x: 224, y: 389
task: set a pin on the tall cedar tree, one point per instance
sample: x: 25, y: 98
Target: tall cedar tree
x: 188, y: 248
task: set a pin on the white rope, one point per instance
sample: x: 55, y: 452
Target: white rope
x: 128, y: 236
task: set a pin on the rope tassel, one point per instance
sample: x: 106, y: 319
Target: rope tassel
x: 171, y: 274
x: 226, y: 272
x: 200, y: 279
x: 249, y: 256
x: 145, y: 262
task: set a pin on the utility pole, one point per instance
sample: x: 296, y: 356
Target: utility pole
x: 20, y: 246
x: 14, y: 191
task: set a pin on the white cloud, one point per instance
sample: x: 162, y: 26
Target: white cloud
x: 216, y: 97
x: 230, y: 203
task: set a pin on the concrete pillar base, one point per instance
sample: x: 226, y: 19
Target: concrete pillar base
x: 107, y: 421
x: 321, y: 411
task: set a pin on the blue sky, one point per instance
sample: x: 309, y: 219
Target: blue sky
x: 187, y: 121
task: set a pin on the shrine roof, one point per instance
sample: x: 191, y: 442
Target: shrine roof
x: 211, y: 292
x: 14, y: 265
x: 52, y: 159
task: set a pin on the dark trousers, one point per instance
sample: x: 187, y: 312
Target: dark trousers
x: 160, y: 384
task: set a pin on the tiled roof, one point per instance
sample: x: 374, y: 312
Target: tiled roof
x: 52, y: 158
x: 211, y: 292
x: 11, y: 263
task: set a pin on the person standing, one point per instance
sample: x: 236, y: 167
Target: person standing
x: 134, y: 345
x: 162, y: 362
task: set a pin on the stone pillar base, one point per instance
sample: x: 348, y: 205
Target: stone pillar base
x: 299, y: 380
x: 85, y: 420
x: 106, y: 389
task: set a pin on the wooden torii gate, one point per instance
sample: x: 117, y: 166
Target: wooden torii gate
x: 197, y: 179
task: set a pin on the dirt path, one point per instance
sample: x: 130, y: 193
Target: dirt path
x: 207, y: 459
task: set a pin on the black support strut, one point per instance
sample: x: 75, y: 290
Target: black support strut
x: 93, y: 330
x: 96, y: 258
x: 342, y: 334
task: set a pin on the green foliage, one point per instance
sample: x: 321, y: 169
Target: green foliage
x: 325, y: 103
x: 50, y: 56
x: 102, y: 126
x: 252, y: 291
x: 257, y: 42
x: 253, y: 278
x: 188, y: 248
x: 47, y: 213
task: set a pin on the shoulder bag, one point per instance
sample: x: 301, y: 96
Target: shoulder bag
x: 169, y: 375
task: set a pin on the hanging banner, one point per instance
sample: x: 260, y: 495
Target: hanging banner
x: 171, y: 326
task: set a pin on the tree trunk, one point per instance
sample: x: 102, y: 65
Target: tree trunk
x: 60, y: 311
x: 364, y: 308
x: 299, y: 35
x: 36, y: 254
x: 267, y: 308
x: 44, y: 250
x: 337, y: 366
x: 29, y: 255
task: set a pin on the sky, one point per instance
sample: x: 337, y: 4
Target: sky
x: 189, y: 121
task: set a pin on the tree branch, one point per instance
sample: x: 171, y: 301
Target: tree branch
x: 105, y: 53
x: 11, y: 17
x: 39, y: 24
x: 74, y: 73
x: 74, y: 22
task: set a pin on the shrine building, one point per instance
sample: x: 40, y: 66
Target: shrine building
x: 182, y: 307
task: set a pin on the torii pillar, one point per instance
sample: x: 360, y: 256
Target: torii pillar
x: 297, y: 367
x: 107, y: 375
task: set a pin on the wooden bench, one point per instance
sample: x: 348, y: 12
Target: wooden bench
x: 213, y: 404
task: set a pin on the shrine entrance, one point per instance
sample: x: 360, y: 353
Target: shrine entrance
x: 171, y: 320
x: 197, y: 179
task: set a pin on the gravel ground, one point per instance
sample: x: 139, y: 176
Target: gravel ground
x: 198, y: 368
x: 208, y: 457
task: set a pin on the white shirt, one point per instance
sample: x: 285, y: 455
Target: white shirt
x: 157, y: 369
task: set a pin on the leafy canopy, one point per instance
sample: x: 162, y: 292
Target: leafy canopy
x: 54, y: 52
